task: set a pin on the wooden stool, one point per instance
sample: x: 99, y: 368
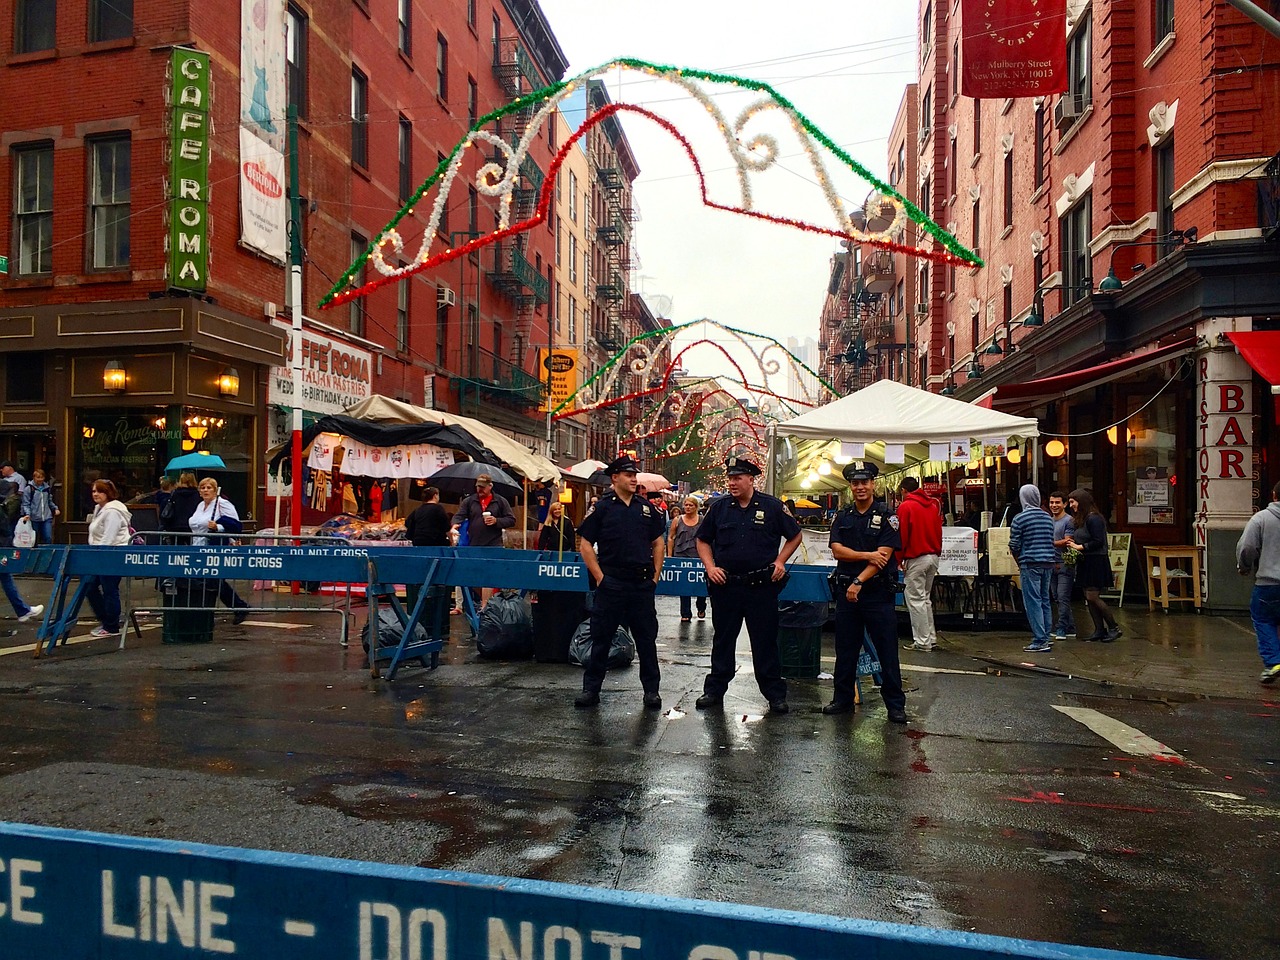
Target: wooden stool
x: 1173, y: 576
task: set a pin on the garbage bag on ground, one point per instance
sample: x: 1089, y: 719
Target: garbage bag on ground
x: 506, y: 627
x: 796, y: 614
x: 390, y: 630
x: 621, y: 652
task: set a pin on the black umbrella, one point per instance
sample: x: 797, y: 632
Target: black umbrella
x: 460, y: 478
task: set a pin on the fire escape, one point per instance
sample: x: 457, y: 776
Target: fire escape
x: 613, y: 233
x: 513, y: 275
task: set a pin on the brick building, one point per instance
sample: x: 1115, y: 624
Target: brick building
x: 119, y: 354
x: 1125, y: 228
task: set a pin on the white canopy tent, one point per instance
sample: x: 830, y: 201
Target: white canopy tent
x: 890, y: 412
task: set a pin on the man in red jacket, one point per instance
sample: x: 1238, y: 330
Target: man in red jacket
x: 920, y: 526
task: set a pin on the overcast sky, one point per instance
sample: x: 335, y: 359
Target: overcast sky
x: 843, y: 65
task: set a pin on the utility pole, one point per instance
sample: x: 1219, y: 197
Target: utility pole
x: 293, y: 296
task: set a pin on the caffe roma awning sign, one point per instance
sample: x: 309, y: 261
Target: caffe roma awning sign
x: 187, y: 239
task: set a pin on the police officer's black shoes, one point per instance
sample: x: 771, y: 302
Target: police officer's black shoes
x: 587, y: 698
x: 652, y: 701
x: 838, y: 706
x: 897, y: 716
x: 709, y: 700
x: 779, y: 706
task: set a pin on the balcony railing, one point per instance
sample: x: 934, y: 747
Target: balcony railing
x: 487, y: 373
x: 511, y: 64
x: 516, y: 276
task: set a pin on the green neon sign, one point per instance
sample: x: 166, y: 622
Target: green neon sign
x: 188, y: 237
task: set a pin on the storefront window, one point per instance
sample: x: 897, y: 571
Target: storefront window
x: 1151, y: 438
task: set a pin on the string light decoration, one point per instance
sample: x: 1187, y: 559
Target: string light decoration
x: 750, y: 154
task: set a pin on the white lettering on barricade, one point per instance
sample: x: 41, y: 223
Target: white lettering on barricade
x: 398, y: 933
x: 616, y: 942
x: 556, y: 934
x: 193, y: 916
x: 19, y: 892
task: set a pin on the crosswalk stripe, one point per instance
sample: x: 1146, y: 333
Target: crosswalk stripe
x: 1129, y: 739
x: 83, y: 638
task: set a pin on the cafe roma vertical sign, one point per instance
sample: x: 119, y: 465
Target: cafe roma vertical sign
x: 1013, y: 48
x: 187, y: 238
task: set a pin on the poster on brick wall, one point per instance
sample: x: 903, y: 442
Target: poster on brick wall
x: 1014, y: 48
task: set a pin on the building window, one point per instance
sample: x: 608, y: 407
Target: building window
x: 955, y: 69
x: 34, y: 209
x: 954, y: 170
x: 473, y: 101
x: 357, y: 306
x: 406, y: 158
x: 1040, y: 133
x: 1164, y: 19
x: 497, y: 40
x: 573, y: 196
x: 34, y: 25
x: 405, y: 19
x: 975, y: 332
x: 977, y: 224
x: 359, y: 118
x: 573, y: 259
x: 443, y: 227
x: 109, y: 19
x: 1008, y: 311
x: 1008, y: 189
x: 109, y: 179
x: 473, y: 213
x: 573, y: 320
x: 24, y: 378
x: 402, y: 315
x: 1164, y: 192
x: 442, y: 67
x: 926, y: 31
x: 926, y: 113
x: 1074, y: 233
x: 471, y: 14
x: 442, y: 333
x: 977, y: 127
x: 295, y: 47
x: 925, y: 197
x: 1080, y: 67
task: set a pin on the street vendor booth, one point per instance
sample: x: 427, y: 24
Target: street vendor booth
x: 908, y: 431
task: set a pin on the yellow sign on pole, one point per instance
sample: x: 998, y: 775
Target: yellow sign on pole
x: 561, y: 367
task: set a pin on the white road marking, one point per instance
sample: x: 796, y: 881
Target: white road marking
x: 299, y: 928
x: 1127, y: 738
x: 274, y: 625
x: 1234, y: 803
x: 919, y: 669
x: 83, y: 638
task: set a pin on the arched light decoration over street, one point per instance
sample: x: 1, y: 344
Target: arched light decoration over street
x: 114, y: 378
x: 229, y: 383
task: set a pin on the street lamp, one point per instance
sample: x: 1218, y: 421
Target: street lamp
x: 1036, y: 317
x: 1111, y: 283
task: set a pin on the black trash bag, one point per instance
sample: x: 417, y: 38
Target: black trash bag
x: 506, y: 627
x: 621, y: 653
x: 390, y: 630
x: 801, y: 614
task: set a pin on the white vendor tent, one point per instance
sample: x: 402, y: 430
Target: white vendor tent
x: 887, y: 412
x: 522, y: 460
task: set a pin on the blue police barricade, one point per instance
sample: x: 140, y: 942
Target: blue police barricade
x: 74, y: 894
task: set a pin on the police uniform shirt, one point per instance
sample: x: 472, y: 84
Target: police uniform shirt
x: 744, y: 539
x: 623, y: 535
x: 865, y: 532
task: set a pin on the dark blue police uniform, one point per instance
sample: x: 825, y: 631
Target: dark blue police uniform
x: 623, y: 536
x: 873, y: 614
x: 744, y: 542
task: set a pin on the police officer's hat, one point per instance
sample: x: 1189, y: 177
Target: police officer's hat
x: 735, y: 466
x: 623, y: 464
x: 860, y: 470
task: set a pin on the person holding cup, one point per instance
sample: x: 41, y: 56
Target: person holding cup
x: 487, y: 515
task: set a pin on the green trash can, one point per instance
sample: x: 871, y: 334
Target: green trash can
x: 800, y: 638
x: 189, y: 626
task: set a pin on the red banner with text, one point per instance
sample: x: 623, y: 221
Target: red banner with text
x: 1013, y: 48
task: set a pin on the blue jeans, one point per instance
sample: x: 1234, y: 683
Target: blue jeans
x: 686, y: 607
x: 103, y: 594
x: 1264, y: 607
x: 1064, y: 579
x: 1035, y: 597
x: 44, y: 530
x: 20, y: 606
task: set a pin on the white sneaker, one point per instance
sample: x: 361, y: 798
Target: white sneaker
x: 32, y: 613
x: 103, y: 632
x: 920, y: 645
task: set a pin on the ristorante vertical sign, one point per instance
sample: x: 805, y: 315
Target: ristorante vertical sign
x: 1013, y: 48
x: 188, y: 236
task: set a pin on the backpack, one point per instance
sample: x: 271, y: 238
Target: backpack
x: 13, y: 506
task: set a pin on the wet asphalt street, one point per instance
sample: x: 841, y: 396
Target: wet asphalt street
x: 992, y: 811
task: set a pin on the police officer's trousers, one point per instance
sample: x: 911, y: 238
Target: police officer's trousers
x: 731, y: 604
x: 853, y: 621
x: 629, y: 604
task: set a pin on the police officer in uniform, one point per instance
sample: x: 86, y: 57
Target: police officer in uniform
x: 622, y: 546
x: 738, y: 545
x: 863, y: 540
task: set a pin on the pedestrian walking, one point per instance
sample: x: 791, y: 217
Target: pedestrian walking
x: 428, y: 526
x: 1064, y: 573
x: 682, y: 541
x: 1031, y: 543
x: 1093, y: 568
x: 864, y: 538
x: 21, y: 608
x: 738, y: 543
x: 13, y: 476
x: 1258, y: 553
x: 175, y: 516
x: 216, y: 514
x: 39, y: 508
x: 108, y: 527
x: 920, y: 528
x: 622, y: 549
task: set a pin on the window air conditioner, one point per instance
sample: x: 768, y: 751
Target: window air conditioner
x: 1065, y: 112
x: 445, y: 297
x: 922, y: 309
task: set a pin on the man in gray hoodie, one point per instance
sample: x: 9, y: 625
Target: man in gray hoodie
x: 1258, y: 553
x: 1031, y: 543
